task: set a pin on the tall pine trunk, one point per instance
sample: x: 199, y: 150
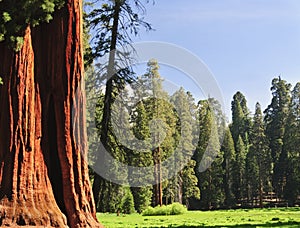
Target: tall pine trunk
x: 157, y: 188
x: 43, y: 167
x: 108, y: 98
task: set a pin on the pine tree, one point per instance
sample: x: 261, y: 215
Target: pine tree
x: 142, y: 197
x: 185, y: 180
x: 240, y: 129
x: 190, y: 189
x: 228, y: 166
x: 154, y: 124
x: 118, y: 139
x: 240, y: 171
x: 204, y: 123
x: 140, y: 158
x: 162, y: 126
x: 109, y: 23
x: 209, y: 159
x: 275, y: 120
x: 219, y: 116
x: 259, y: 160
x: 291, y: 148
x: 127, y: 204
x: 94, y: 109
x: 241, y: 123
x: 252, y: 176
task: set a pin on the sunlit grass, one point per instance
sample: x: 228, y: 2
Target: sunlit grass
x: 275, y: 217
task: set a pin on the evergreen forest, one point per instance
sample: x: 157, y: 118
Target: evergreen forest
x: 82, y: 131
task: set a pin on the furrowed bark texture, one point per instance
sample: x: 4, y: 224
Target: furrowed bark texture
x: 43, y: 167
x: 26, y: 192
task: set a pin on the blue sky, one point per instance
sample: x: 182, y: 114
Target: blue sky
x: 244, y: 43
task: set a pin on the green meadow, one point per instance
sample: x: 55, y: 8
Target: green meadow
x: 274, y: 217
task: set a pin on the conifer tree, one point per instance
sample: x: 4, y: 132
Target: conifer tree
x: 190, y: 188
x: 241, y: 123
x: 162, y: 126
x: 110, y: 192
x: 275, y: 120
x: 251, y: 176
x: 228, y: 166
x: 185, y: 180
x: 259, y: 173
x: 240, y: 170
x: 291, y: 148
x: 140, y: 158
x: 114, y: 23
x: 127, y: 204
x: 209, y: 159
x: 240, y: 129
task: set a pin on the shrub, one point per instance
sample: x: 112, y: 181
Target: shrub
x: 178, y: 209
x: 172, y: 209
x: 148, y: 211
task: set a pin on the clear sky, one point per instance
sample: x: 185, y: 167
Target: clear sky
x: 244, y: 43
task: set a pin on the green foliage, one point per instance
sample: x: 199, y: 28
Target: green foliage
x: 140, y: 126
x: 127, y: 205
x: 184, y: 184
x: 240, y: 129
x: 190, y: 187
x: 228, y: 165
x: 106, y: 21
x: 209, y: 159
x: 15, y: 16
x: 101, y: 21
x: 252, y: 174
x: 178, y: 209
x: 142, y: 197
x: 241, y: 122
x: 171, y: 209
x: 276, y: 114
x: 258, y: 161
x: 160, y: 118
x: 291, y: 148
x: 207, y: 138
x: 110, y: 193
x: 275, y: 119
x: 239, y: 173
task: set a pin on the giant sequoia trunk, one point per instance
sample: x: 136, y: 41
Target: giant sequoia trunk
x: 43, y: 170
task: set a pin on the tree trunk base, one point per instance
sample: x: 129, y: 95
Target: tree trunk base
x: 26, y: 213
x: 43, y: 171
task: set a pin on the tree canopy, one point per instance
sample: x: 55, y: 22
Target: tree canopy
x: 17, y: 15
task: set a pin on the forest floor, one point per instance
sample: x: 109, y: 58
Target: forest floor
x: 273, y: 217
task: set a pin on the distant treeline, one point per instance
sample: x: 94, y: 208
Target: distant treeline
x: 252, y: 162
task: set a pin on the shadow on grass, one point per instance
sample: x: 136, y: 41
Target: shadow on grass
x: 290, y: 223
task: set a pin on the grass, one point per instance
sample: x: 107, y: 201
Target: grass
x: 275, y: 217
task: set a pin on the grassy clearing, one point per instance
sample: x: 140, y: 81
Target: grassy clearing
x: 275, y: 217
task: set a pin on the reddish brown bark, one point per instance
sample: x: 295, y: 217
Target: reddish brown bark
x: 157, y: 188
x: 43, y: 171
x: 25, y: 187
